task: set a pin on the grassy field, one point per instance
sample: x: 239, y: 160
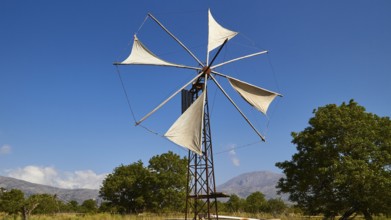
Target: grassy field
x: 105, y: 216
x: 99, y: 216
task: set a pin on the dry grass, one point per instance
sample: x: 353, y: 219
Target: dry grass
x: 99, y: 216
x: 147, y: 216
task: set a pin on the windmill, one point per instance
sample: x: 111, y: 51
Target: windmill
x: 192, y: 129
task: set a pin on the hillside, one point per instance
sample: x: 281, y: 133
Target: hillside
x: 247, y: 183
x: 242, y: 185
x: 65, y: 195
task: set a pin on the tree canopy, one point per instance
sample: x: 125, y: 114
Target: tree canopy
x: 135, y: 188
x: 342, y: 164
x: 234, y: 204
x: 171, y: 177
x: 11, y: 201
x: 255, y: 202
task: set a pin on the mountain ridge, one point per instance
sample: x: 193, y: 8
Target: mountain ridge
x: 242, y: 185
x: 66, y: 195
x: 247, y: 183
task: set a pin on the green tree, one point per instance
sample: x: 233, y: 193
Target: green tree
x: 255, y: 203
x: 108, y: 207
x: 275, y: 206
x: 221, y: 206
x: 343, y: 163
x: 234, y: 203
x: 128, y: 188
x: 170, y: 187
x: 29, y: 205
x: 47, y: 204
x: 72, y: 206
x: 11, y: 202
x: 158, y: 187
x: 89, y: 206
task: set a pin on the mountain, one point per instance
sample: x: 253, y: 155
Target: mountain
x: 242, y: 185
x: 65, y: 195
x: 247, y: 183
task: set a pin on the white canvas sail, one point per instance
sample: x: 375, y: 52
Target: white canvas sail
x: 187, y: 129
x: 141, y: 55
x: 257, y: 97
x: 217, y: 33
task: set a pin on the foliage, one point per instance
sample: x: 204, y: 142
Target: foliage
x: 107, y: 216
x: 30, y: 204
x: 170, y: 187
x: 89, y: 206
x: 38, y: 202
x: 234, y: 204
x: 275, y: 206
x: 127, y: 188
x: 343, y: 163
x: 47, y: 204
x: 71, y: 206
x: 134, y: 188
x: 255, y: 203
x: 107, y: 207
x: 12, y: 201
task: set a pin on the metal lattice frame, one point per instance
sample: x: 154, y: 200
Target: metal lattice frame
x: 201, y: 201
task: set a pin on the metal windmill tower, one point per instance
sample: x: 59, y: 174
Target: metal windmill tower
x: 192, y: 129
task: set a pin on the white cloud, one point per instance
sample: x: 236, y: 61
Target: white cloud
x: 235, y: 160
x: 52, y: 177
x: 5, y: 149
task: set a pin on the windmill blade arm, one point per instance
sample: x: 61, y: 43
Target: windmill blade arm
x: 220, y: 74
x: 239, y: 58
x: 230, y: 77
x: 147, y: 64
x: 237, y: 108
x: 175, y: 38
x: 168, y: 99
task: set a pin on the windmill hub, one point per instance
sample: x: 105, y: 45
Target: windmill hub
x: 206, y: 70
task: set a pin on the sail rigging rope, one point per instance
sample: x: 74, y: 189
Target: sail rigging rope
x: 276, y: 105
x: 151, y: 131
x: 142, y: 24
x: 274, y: 72
x: 238, y: 147
x: 126, y: 94
x: 130, y: 106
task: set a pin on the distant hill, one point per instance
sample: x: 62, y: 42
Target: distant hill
x: 242, y: 185
x: 247, y: 183
x: 79, y: 195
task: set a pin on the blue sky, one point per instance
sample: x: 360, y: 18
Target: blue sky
x: 64, y: 118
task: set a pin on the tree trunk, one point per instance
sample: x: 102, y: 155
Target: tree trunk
x: 367, y: 215
x: 25, y: 213
x: 348, y: 213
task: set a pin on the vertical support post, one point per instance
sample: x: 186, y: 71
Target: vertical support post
x: 201, y: 200
x: 201, y: 189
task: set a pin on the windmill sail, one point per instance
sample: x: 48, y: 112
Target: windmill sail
x: 217, y: 33
x: 187, y: 129
x: 141, y: 55
x: 257, y: 97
